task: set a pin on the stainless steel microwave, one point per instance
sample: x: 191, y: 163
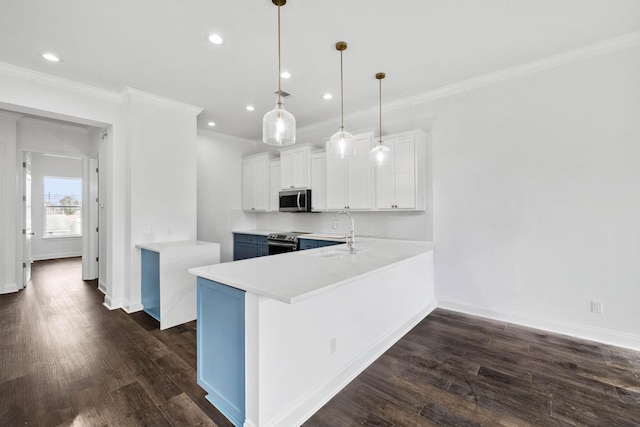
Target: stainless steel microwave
x: 296, y: 200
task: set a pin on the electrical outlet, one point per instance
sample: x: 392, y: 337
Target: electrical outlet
x: 332, y: 345
x: 596, y: 307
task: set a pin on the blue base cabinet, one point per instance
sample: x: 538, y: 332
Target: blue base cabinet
x: 313, y: 243
x: 220, y: 338
x: 249, y: 246
x: 150, y: 265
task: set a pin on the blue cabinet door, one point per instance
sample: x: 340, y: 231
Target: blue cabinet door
x: 308, y: 244
x: 150, y: 278
x: 244, y: 250
x: 323, y: 243
x: 220, y: 340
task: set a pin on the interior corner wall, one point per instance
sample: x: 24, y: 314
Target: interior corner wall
x: 162, y: 164
x: 537, y: 200
x: 220, y: 189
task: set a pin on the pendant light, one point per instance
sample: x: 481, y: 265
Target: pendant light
x: 341, y: 142
x: 380, y: 155
x: 279, y: 125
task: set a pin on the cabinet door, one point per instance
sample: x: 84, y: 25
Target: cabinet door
x: 255, y: 184
x: 294, y: 168
x: 336, y: 182
x: 274, y: 191
x: 319, y: 181
x: 385, y: 185
x: 360, y: 175
x: 261, y: 185
x: 405, y: 172
x: 244, y: 251
x: 287, y: 173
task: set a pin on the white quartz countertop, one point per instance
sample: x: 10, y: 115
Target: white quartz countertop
x: 296, y: 276
x: 179, y: 244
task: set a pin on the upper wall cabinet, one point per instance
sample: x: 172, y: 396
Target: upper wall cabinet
x: 400, y: 185
x: 295, y: 167
x: 349, y: 180
x: 319, y: 181
x: 256, y: 182
x: 274, y: 185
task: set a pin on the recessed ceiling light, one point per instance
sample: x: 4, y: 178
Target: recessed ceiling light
x: 50, y: 57
x: 212, y: 124
x: 327, y: 96
x: 215, y: 39
x: 250, y: 108
x: 285, y: 75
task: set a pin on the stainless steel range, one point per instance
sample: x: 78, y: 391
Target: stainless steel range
x: 283, y: 242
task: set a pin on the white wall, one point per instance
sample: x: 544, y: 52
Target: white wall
x: 161, y: 176
x: 220, y: 189
x: 537, y: 200
x: 42, y: 166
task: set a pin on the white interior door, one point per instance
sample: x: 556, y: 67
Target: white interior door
x: 27, y: 258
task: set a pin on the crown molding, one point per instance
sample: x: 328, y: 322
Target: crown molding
x: 8, y: 115
x: 129, y: 93
x: 57, y: 82
x: 596, y: 49
x: 553, y: 61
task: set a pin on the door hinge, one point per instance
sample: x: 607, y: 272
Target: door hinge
x: 96, y: 170
x: 24, y: 265
x: 24, y: 231
x: 24, y: 198
x: 96, y: 259
x: 24, y: 164
x: 97, y: 229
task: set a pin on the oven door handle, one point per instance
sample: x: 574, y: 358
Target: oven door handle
x: 299, y: 207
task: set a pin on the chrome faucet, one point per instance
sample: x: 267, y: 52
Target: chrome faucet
x: 351, y: 238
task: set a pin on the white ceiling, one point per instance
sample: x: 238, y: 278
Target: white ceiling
x: 160, y: 46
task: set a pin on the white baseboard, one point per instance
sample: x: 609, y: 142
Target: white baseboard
x: 604, y: 336
x: 309, y: 403
x: 9, y: 288
x: 112, y: 304
x: 132, y: 307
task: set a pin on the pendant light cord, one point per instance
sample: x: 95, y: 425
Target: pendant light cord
x: 279, y: 62
x: 341, y: 95
x: 380, y: 136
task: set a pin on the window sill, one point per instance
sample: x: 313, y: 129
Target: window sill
x: 63, y: 237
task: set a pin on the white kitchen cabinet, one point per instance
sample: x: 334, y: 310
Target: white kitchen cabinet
x: 319, y: 181
x: 399, y: 185
x: 350, y: 180
x: 274, y: 185
x: 295, y: 167
x: 256, y: 182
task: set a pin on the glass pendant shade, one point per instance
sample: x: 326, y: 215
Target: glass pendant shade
x: 279, y: 127
x: 341, y: 144
x: 380, y: 156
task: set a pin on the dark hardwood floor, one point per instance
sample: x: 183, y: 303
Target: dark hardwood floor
x: 67, y: 360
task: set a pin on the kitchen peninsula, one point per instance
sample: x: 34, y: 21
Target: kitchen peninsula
x: 278, y: 336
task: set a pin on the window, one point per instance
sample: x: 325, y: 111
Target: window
x: 62, y: 206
